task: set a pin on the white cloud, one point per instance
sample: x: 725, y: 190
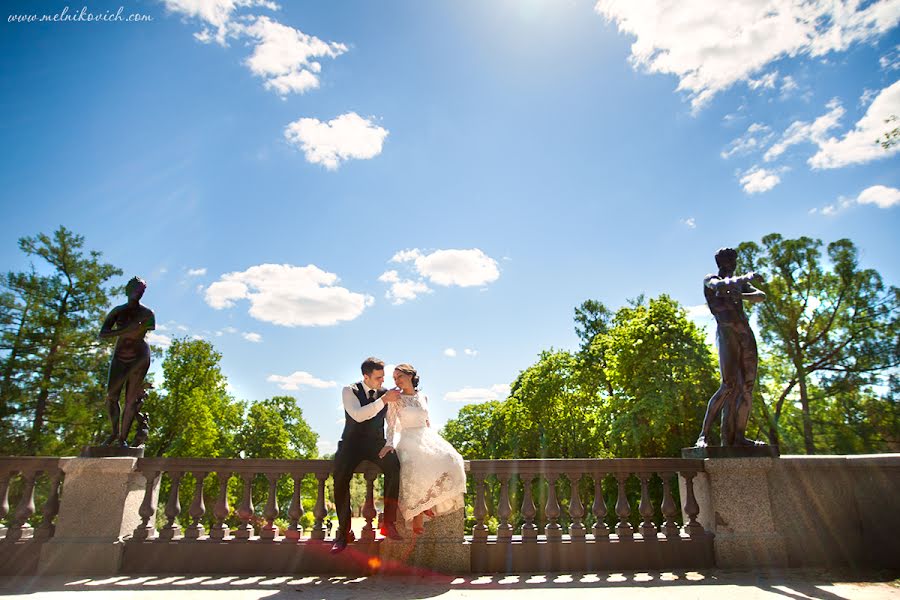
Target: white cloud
x: 698, y: 311
x: 788, y: 85
x: 217, y: 13
x: 879, y: 195
x: 801, y: 131
x: 327, y: 446
x: 345, y: 137
x: 754, y: 139
x: 756, y: 180
x: 289, y: 295
x: 251, y: 336
x: 451, y: 352
x: 402, y: 290
x: 690, y: 223
x: 891, y: 60
x: 464, y: 268
x: 469, y: 395
x: 860, y: 145
x: 229, y: 329
x: 197, y: 272
x: 299, y: 379
x: 710, y: 46
x: 867, y: 96
x: 767, y: 81
x: 157, y: 339
x: 283, y: 56
x: 470, y: 352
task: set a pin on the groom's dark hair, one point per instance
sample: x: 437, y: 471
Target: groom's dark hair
x: 372, y: 364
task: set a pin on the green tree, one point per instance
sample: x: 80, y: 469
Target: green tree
x: 193, y: 415
x: 835, y: 327
x: 275, y: 428
x: 662, y: 372
x: 52, y: 368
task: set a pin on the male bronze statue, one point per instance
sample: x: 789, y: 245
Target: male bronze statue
x: 738, y: 359
x: 129, y: 324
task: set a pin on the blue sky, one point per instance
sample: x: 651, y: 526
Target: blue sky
x: 438, y: 182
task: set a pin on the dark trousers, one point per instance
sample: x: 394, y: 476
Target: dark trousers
x: 349, y: 454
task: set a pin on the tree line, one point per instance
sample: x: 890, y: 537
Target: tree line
x: 53, y: 371
x: 637, y: 385
x: 639, y: 382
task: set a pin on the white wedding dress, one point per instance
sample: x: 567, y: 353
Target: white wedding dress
x: 432, y: 475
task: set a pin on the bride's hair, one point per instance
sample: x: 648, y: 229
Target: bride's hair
x: 411, y: 371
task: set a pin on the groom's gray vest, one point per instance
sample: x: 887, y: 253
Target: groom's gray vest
x: 370, y: 429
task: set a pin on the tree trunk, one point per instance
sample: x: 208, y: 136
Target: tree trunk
x: 804, y: 405
x: 46, y: 378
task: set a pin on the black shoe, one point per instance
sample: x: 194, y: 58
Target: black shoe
x: 341, y: 541
x: 390, y: 532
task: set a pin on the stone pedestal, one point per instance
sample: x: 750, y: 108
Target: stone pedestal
x: 101, y: 498
x: 735, y: 504
x: 440, y: 549
x: 760, y: 451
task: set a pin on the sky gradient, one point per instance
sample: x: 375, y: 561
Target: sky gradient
x: 438, y: 182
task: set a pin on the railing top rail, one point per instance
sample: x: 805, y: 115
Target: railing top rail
x: 28, y: 463
x: 537, y: 466
x: 249, y: 465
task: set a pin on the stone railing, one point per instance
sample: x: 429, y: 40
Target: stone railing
x: 654, y: 540
x: 108, y: 515
x: 31, y: 479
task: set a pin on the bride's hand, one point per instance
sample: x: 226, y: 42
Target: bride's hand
x: 385, y: 451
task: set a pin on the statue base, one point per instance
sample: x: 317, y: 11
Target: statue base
x: 764, y: 451
x: 110, y: 451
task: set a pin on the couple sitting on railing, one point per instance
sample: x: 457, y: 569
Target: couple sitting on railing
x: 423, y: 474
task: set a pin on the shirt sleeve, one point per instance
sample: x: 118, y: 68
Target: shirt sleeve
x: 393, y: 426
x: 359, y: 413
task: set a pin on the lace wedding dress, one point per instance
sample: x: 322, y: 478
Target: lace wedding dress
x: 432, y: 474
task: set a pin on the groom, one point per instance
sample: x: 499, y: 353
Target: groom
x: 363, y: 437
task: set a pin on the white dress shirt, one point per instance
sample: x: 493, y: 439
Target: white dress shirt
x: 357, y: 412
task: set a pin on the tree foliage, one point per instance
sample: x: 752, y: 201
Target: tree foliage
x: 831, y: 330
x: 52, y: 366
x: 637, y: 387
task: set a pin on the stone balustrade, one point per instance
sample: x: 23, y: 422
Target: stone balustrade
x: 238, y: 516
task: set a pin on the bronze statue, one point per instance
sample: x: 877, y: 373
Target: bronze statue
x: 128, y: 323
x: 738, y: 359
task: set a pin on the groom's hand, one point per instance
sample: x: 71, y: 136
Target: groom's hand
x: 391, y: 396
x: 385, y: 451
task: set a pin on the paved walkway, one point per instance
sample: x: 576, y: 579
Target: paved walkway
x: 723, y: 585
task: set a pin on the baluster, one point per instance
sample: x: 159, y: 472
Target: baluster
x: 504, y: 511
x: 296, y: 510
x: 244, y: 531
x: 145, y: 530
x: 197, y: 509
x: 51, y: 507
x: 600, y: 530
x: 648, y: 529
x: 4, y: 494
x: 529, y: 510
x: 692, y: 528
x: 219, y: 530
x: 576, y: 509
x: 553, y: 531
x: 173, y: 508
x: 269, y: 530
x: 623, y: 510
x: 480, y: 531
x: 669, y: 509
x: 369, y: 513
x: 318, y: 530
x: 24, y: 510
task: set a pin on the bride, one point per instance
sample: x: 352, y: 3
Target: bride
x: 432, y: 476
